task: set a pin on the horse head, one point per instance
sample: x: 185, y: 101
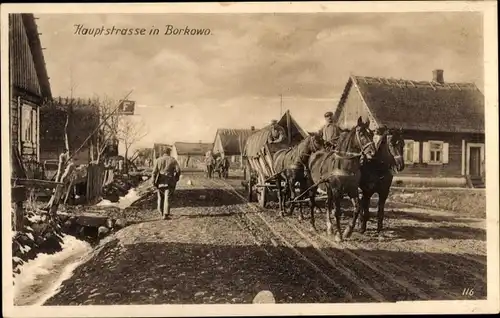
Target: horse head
x: 364, y: 138
x: 396, y: 144
x: 316, y: 142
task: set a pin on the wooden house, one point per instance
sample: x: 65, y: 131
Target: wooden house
x: 29, y: 85
x: 231, y: 143
x: 191, y: 155
x: 443, y: 124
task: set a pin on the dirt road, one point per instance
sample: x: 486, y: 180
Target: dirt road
x: 220, y: 249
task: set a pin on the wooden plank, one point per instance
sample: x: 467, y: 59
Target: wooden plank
x: 36, y: 183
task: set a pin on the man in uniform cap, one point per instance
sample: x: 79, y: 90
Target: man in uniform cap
x: 278, y: 133
x: 330, y: 132
x: 166, y: 174
x: 209, y: 163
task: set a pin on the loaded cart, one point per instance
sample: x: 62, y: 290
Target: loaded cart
x: 258, y: 154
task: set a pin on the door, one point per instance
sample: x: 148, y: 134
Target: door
x: 475, y: 161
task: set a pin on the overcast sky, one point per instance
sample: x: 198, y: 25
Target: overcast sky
x: 233, y: 77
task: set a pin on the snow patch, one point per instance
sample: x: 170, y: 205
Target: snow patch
x: 32, y: 272
x: 35, y: 218
x: 405, y: 195
x: 124, y: 202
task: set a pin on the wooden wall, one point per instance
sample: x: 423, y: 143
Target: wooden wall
x: 454, y: 166
x: 352, y: 109
x: 98, y: 176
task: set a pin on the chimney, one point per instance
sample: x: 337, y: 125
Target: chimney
x: 252, y: 128
x: 437, y: 76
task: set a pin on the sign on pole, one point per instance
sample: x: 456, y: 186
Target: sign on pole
x: 126, y: 107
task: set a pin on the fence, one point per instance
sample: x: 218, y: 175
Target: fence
x: 98, y: 176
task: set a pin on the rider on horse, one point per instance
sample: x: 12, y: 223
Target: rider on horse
x: 330, y: 132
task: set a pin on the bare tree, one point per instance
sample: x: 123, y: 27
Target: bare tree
x: 130, y: 131
x: 105, y: 106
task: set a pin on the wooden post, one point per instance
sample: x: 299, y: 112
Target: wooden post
x: 18, y: 195
x: 288, y: 123
x: 60, y: 189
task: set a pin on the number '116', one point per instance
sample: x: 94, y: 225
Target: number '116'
x: 468, y: 292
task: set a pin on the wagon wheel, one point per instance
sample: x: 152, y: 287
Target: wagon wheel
x: 262, y: 193
x: 262, y: 196
x: 249, y: 179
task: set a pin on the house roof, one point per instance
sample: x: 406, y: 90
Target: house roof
x: 192, y: 148
x: 233, y: 140
x: 28, y: 69
x: 259, y: 139
x: 420, y: 105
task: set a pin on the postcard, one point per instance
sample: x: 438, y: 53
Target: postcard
x: 333, y: 158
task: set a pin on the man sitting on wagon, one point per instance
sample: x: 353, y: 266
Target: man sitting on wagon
x: 330, y: 132
x: 278, y: 133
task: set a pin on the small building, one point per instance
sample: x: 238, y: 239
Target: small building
x: 231, y: 143
x: 159, y: 148
x: 29, y: 85
x: 443, y: 124
x: 191, y: 154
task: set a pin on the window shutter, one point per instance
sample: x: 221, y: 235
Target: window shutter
x: 426, y: 152
x: 416, y: 152
x: 446, y: 147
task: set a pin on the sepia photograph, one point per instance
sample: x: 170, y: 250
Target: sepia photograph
x: 333, y: 154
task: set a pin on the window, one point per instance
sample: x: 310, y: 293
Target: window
x: 27, y: 123
x: 411, y: 152
x: 408, y: 151
x: 435, y: 152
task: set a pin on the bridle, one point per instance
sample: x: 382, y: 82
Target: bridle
x: 352, y: 155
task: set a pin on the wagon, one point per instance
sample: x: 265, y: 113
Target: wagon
x: 258, y: 155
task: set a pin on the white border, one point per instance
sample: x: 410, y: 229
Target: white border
x: 489, y: 9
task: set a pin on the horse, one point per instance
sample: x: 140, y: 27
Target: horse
x: 377, y: 174
x: 339, y: 173
x: 291, y: 165
x: 222, y: 167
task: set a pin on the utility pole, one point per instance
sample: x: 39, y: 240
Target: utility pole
x: 281, y: 105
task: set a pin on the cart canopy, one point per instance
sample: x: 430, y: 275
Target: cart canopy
x: 258, y: 140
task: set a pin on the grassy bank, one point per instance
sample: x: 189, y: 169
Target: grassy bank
x: 464, y: 202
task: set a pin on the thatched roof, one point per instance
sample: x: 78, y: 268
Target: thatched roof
x: 419, y: 105
x: 27, y: 63
x: 192, y: 148
x: 232, y: 141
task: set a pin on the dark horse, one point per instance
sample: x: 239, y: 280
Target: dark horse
x: 377, y: 174
x: 291, y: 164
x: 222, y: 167
x: 339, y: 173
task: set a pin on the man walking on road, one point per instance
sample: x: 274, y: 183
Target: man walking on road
x: 166, y: 174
